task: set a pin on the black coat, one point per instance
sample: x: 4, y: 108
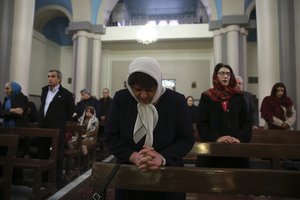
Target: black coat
x: 213, y: 122
x: 18, y: 101
x: 172, y: 137
x: 59, y: 111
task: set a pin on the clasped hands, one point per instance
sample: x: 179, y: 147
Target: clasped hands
x: 146, y: 159
x: 228, y: 139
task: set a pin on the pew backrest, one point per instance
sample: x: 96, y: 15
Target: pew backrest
x: 53, y: 134
x: 275, y: 152
x: 8, y: 150
x: 275, y: 183
x: 276, y: 136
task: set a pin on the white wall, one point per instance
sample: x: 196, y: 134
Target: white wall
x: 185, y: 66
x: 47, y: 55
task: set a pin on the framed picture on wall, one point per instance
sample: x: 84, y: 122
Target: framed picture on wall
x: 169, y: 83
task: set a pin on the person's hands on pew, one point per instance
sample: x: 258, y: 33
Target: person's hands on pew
x: 147, y: 159
x: 228, y: 139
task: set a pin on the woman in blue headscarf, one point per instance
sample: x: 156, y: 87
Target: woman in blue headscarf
x: 15, y: 106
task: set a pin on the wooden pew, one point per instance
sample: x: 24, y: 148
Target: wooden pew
x: 73, y: 154
x: 39, y: 166
x: 217, y: 182
x: 275, y: 152
x: 9, y: 144
x: 276, y: 136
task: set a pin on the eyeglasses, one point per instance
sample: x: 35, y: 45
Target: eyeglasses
x: 224, y: 73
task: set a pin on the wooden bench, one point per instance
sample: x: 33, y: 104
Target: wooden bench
x: 8, y: 150
x: 274, y: 152
x: 38, y: 166
x: 73, y: 171
x: 240, y: 183
x: 275, y: 136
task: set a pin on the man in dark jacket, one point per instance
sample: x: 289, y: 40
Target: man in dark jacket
x: 57, y: 105
x: 86, y: 100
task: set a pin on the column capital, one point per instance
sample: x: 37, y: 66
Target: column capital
x: 217, y: 32
x: 97, y: 37
x: 82, y: 33
x: 244, y: 31
x: 232, y: 28
x: 86, y: 26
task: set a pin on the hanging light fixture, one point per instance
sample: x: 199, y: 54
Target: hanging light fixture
x: 147, y: 34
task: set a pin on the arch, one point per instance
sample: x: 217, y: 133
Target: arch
x: 105, y: 10
x: 47, y: 13
x: 249, y: 8
x: 213, y: 9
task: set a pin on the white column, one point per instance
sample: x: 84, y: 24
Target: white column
x: 243, y: 72
x: 217, y: 46
x: 21, y: 43
x: 80, y: 63
x: 297, y: 52
x: 267, y: 47
x: 232, y: 33
x: 96, y: 65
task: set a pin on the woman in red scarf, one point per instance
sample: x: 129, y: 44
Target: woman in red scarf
x: 223, y: 117
x: 278, y: 109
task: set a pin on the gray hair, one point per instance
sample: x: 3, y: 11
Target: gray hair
x: 85, y: 91
x: 59, y: 74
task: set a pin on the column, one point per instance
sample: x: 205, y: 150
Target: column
x: 267, y: 47
x: 297, y: 52
x: 243, y: 57
x: 217, y: 46
x: 232, y: 33
x: 22, y: 42
x: 80, y: 63
x: 6, y: 24
x: 96, y: 65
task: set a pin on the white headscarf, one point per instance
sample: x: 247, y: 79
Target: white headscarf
x: 147, y: 117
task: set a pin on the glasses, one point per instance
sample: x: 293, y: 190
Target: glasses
x: 224, y: 73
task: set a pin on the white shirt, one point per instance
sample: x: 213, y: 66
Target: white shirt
x: 49, y: 98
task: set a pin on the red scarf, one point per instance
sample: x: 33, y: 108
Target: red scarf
x: 220, y: 92
x: 271, y: 106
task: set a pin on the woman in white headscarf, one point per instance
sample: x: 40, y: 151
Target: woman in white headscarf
x: 148, y: 126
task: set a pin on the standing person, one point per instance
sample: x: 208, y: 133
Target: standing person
x: 250, y: 101
x: 86, y: 100
x: 15, y: 106
x: 57, y: 106
x: 105, y: 103
x: 223, y: 117
x: 194, y: 115
x: 148, y: 126
x: 32, y: 112
x: 278, y: 109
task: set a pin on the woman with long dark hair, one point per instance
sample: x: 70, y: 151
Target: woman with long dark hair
x: 278, y: 109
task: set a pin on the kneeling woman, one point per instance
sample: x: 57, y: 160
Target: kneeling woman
x: 148, y: 126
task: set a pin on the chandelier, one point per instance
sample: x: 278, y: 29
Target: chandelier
x: 147, y: 35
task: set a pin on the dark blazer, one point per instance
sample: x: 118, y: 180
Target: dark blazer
x: 252, y: 107
x: 214, y: 122
x: 173, y: 134
x: 60, y: 109
x: 18, y: 101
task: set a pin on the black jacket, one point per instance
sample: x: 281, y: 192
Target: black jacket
x: 60, y: 109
